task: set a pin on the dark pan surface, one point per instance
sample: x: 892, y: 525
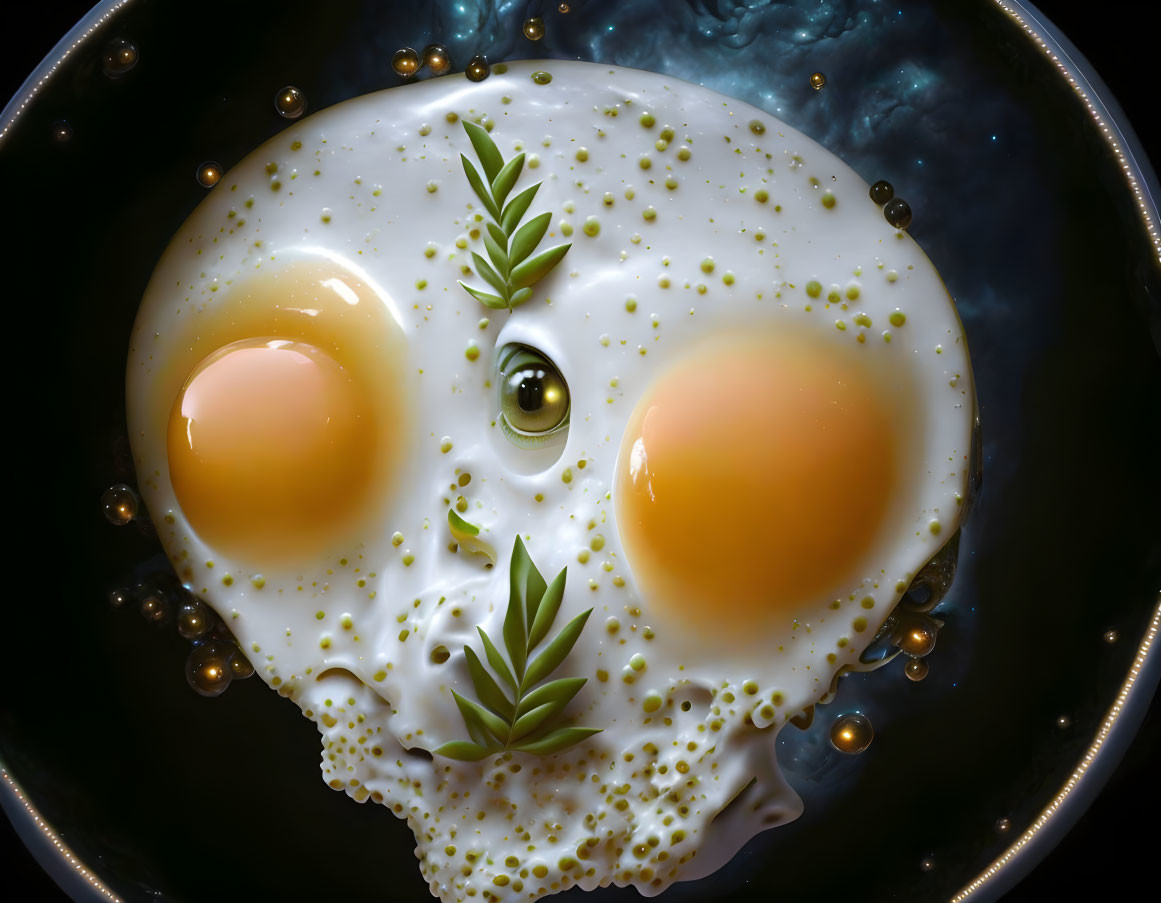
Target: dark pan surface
x: 1019, y: 203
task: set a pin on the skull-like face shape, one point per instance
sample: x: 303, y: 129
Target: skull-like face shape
x: 730, y: 424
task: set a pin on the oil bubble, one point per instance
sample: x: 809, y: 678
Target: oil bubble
x: 478, y: 68
x: 882, y: 191
x: 61, y: 131
x: 240, y: 666
x: 289, y: 102
x: 852, y: 733
x: 120, y: 504
x: 817, y: 81
x: 209, y: 174
x: 436, y: 58
x: 898, y: 213
x: 534, y: 28
x: 916, y: 669
x: 119, y: 56
x: 118, y: 597
x: 194, y: 620
x: 916, y: 637
x: 154, y: 606
x: 208, y: 668
x: 405, y: 62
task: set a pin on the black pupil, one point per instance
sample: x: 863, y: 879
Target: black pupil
x: 530, y: 390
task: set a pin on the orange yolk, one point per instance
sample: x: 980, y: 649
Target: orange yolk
x: 287, y: 402
x: 753, y: 479
x: 271, y: 449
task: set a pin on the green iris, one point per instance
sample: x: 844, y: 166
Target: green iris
x: 534, y: 402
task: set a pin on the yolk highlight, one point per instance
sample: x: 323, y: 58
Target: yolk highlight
x: 272, y: 448
x: 753, y: 479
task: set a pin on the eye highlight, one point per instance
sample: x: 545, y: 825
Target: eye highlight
x: 534, y: 399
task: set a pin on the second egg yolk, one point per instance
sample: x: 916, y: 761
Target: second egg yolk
x: 753, y: 479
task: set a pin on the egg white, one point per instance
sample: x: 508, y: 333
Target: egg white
x: 374, y: 183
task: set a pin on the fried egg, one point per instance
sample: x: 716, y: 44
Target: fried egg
x: 735, y: 418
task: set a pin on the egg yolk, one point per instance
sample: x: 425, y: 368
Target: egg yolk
x: 286, y: 410
x: 271, y: 444
x: 753, y: 479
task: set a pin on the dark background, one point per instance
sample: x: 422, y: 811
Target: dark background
x: 1113, y: 847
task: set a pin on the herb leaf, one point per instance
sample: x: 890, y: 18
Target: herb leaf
x: 463, y: 751
x: 459, y: 524
x: 516, y: 208
x: 473, y: 711
x: 476, y: 728
x: 527, y: 237
x: 529, y: 721
x: 485, y: 148
x: 492, y: 277
x: 519, y: 297
x: 556, y: 651
x: 536, y: 268
x: 557, y: 740
x: 479, y: 187
x: 559, y: 691
x: 505, y: 179
x: 498, y: 257
x: 546, y: 613
x: 509, y: 245
x: 490, y: 693
x: 496, y: 660
x: 483, y: 297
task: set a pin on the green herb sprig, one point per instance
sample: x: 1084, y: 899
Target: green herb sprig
x: 513, y: 270
x: 527, y: 718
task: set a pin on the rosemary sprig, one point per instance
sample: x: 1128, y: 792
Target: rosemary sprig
x: 527, y: 716
x: 513, y: 270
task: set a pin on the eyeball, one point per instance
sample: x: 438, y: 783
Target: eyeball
x: 534, y: 399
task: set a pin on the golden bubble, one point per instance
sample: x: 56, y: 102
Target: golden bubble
x: 534, y: 28
x: 405, y: 62
x: 119, y: 57
x: 118, y: 598
x: 927, y: 864
x: 154, y: 608
x: 478, y: 68
x: 119, y: 503
x: 436, y: 58
x: 1111, y: 636
x: 240, y: 667
x: 817, y: 81
x: 61, y: 131
x: 209, y: 174
x: 916, y: 669
x: 1063, y: 722
x: 563, y: 8
x: 1003, y: 825
x: 916, y: 637
x: 851, y: 733
x: 194, y: 620
x: 207, y: 670
x: 290, y: 103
